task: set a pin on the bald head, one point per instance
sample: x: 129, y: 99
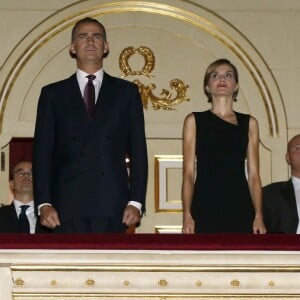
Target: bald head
x: 293, y: 155
x: 293, y: 141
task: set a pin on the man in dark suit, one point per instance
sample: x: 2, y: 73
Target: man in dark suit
x: 81, y: 183
x: 21, y: 186
x: 281, y: 200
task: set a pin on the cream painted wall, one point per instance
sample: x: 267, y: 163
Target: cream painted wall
x: 271, y: 26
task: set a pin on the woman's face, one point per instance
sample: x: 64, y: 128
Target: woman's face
x: 222, y: 82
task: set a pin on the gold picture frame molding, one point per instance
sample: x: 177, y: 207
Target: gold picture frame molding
x: 161, y: 165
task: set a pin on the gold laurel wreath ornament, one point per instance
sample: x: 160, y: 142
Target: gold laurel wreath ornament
x: 165, y: 101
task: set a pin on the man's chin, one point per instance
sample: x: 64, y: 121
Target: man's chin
x: 27, y: 190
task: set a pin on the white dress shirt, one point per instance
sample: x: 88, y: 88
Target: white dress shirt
x: 29, y: 213
x: 296, y: 184
x: 82, y: 81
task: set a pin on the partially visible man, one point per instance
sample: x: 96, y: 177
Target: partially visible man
x: 19, y: 216
x: 281, y: 200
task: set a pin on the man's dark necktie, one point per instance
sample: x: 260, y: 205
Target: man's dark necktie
x: 89, y: 95
x: 23, y: 220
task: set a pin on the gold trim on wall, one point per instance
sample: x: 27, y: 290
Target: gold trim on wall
x: 168, y: 229
x: 148, y: 296
x: 152, y: 267
x: 161, y: 164
x: 153, y: 274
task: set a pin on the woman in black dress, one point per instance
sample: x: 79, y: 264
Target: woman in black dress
x: 221, y: 198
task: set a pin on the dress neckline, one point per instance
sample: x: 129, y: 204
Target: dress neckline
x: 219, y: 118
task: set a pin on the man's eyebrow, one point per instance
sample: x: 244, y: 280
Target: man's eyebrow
x: 295, y: 146
x: 93, y: 33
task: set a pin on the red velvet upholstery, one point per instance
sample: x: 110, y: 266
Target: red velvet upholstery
x: 284, y: 242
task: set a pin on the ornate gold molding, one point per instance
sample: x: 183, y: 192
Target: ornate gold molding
x: 148, y: 56
x: 235, y: 283
x: 185, y: 276
x: 126, y: 282
x: 90, y: 282
x: 53, y: 282
x: 167, y: 101
x: 19, y: 282
x: 163, y: 282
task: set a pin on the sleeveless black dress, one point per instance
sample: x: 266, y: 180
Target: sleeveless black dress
x: 221, y: 201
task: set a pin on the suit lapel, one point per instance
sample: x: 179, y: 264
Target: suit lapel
x: 288, y: 191
x: 74, y: 99
x: 105, y: 96
x: 13, y: 217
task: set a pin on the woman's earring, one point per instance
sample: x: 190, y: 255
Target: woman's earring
x: 234, y: 95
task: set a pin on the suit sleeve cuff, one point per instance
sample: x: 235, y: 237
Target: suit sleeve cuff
x: 136, y: 204
x: 40, y: 206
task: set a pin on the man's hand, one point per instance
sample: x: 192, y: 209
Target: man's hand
x: 49, y: 216
x: 131, y: 215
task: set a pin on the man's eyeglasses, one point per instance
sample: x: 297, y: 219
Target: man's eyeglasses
x: 22, y: 174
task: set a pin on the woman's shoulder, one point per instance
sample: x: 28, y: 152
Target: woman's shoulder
x: 189, y: 118
x: 245, y: 118
x: 193, y: 115
x: 200, y: 114
x: 242, y: 115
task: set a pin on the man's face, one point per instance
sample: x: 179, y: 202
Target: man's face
x: 22, y: 178
x: 89, y: 44
x: 293, y: 156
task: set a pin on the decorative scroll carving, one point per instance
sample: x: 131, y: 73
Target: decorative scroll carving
x: 166, y: 100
